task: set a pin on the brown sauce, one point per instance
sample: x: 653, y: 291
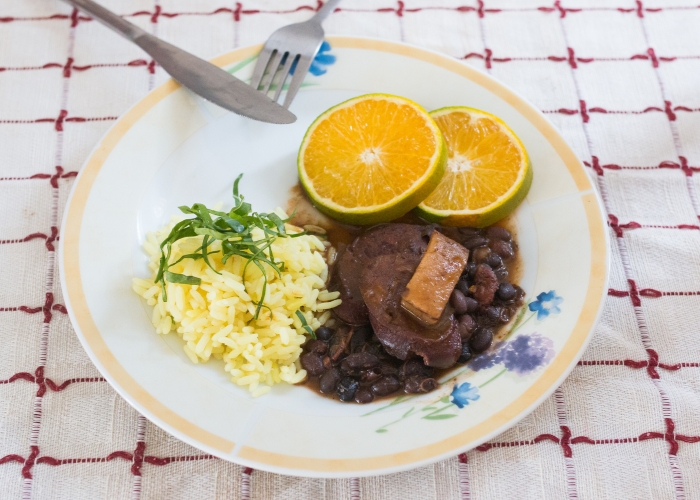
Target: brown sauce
x: 304, y: 213
x: 341, y: 235
x: 407, y: 372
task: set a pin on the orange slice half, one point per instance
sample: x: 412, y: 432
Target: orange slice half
x: 371, y: 159
x: 488, y: 170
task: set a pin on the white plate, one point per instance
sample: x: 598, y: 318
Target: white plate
x: 173, y: 148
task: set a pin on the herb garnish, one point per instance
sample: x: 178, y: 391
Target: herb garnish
x: 234, y: 230
x: 305, y: 325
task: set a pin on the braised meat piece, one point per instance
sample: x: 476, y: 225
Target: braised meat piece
x: 383, y: 282
x: 485, y: 284
x: 392, y: 238
x: 416, y: 300
x: 346, y: 280
x: 432, y: 284
x: 379, y: 240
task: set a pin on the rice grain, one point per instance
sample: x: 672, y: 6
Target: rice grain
x: 216, y: 318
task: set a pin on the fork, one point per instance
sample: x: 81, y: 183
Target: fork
x: 297, y: 43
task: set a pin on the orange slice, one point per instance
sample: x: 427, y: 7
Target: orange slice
x: 371, y: 159
x: 488, y: 170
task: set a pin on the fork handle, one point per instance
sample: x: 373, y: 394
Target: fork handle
x: 109, y: 18
x: 325, y: 11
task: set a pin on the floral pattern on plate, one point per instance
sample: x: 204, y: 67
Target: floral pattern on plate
x: 320, y: 63
x: 546, y: 304
x: 522, y: 355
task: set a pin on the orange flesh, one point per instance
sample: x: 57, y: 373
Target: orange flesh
x: 478, y: 150
x: 368, y: 153
x: 429, y: 290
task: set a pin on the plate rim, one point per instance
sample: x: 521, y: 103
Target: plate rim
x: 274, y: 462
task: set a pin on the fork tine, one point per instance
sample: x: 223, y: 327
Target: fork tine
x: 283, y: 75
x: 274, y: 66
x: 299, y: 73
x: 260, y: 65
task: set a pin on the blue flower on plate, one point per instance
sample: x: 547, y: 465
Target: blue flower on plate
x: 522, y: 355
x: 322, y: 59
x: 484, y: 361
x: 526, y: 353
x: 463, y: 393
x: 546, y: 304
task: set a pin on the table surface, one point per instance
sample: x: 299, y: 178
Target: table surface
x: 619, y: 78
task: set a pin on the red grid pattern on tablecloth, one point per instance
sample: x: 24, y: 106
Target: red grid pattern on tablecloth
x: 618, y: 78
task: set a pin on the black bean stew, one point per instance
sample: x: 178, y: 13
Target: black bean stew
x: 374, y: 350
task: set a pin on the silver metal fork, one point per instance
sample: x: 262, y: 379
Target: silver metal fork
x: 298, y: 43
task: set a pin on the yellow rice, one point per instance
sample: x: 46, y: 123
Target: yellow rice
x: 215, y: 319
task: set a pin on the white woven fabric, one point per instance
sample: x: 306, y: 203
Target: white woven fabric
x: 619, y: 78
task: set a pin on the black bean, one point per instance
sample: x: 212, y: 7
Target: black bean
x: 329, y: 381
x: 501, y: 273
x: 412, y: 384
x: 475, y: 241
x: 506, y: 291
x: 466, y: 354
x: 481, y: 340
x: 466, y: 326
x: 414, y: 366
x: 347, y: 387
x: 506, y: 313
x: 498, y: 233
x: 388, y: 369
x: 361, y: 361
x: 312, y: 363
x: 493, y: 313
x: 458, y: 301
x: 472, y: 305
x: 463, y: 286
x: 360, y: 336
x: 428, y: 384
x: 494, y: 260
x: 386, y: 385
x: 469, y: 270
x: 317, y: 346
x: 469, y: 231
x: 503, y: 248
x: 324, y: 333
x: 370, y: 375
x: 480, y: 254
x: 419, y: 384
x: 364, y: 395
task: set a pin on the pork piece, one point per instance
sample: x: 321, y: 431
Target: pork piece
x: 429, y: 290
x: 485, y: 284
x: 339, y: 343
x: 379, y: 240
x: 385, y: 239
x: 383, y: 282
x: 346, y: 280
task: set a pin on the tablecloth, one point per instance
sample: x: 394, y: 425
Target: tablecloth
x: 619, y: 78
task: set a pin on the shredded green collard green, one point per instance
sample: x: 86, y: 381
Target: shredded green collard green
x: 234, y: 230
x: 305, y: 325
